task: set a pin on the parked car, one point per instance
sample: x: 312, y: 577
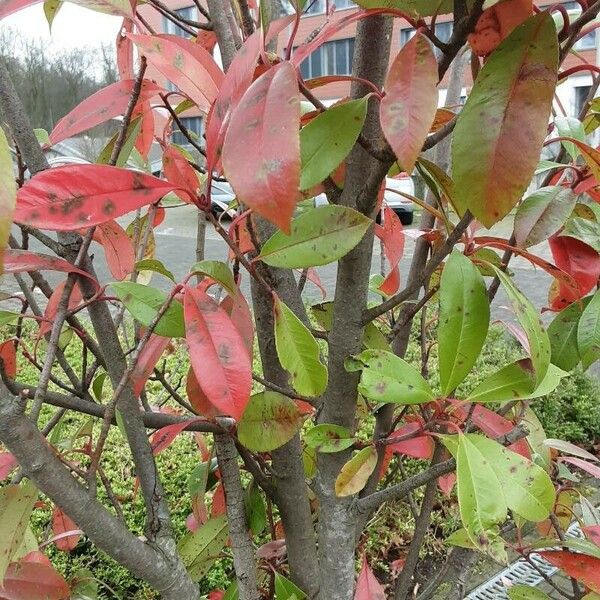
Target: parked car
x: 401, y: 205
x: 222, y: 196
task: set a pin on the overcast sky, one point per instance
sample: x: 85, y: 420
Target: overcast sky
x: 73, y: 26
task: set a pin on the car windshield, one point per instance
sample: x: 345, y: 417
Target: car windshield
x: 221, y: 189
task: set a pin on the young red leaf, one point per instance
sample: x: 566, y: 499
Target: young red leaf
x: 239, y: 312
x: 207, y: 39
x: 446, y: 483
x: 145, y: 137
x: 218, y: 502
x: 113, y: 7
x: 367, y: 586
x: 592, y: 533
x: 267, y: 120
x: 147, y: 360
x: 217, y: 352
x: 165, y: 436
x: 179, y: 172
x: 197, y: 398
x: 393, y: 243
x: 408, y: 108
x: 180, y: 67
x: 8, y: 356
x: 118, y: 249
x: 593, y: 470
x: 61, y: 524
x: 75, y: 196
x: 19, y: 261
x: 420, y: 446
x: 33, y: 580
x: 105, y: 104
x: 125, y: 64
x: 52, y: 306
x: 585, y: 569
x: 7, y: 463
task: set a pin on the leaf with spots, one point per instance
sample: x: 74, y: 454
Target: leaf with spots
x: 516, y: 382
x: 198, y: 80
x: 563, y: 335
x: 499, y: 133
x: 463, y: 322
x: 539, y: 344
x: 8, y: 193
x: 218, y: 354
x: 388, y: 378
x: 367, y: 586
x: 410, y: 103
x: 269, y: 421
x: 585, y: 569
x: 327, y: 140
x: 542, y: 214
x: 76, y: 196
x: 298, y: 352
x: 588, y: 332
x: 16, y: 504
x: 20, y: 261
x: 180, y: 173
x: 267, y: 119
x: 317, y: 237
x: 104, y: 105
x: 355, y: 473
x: 329, y: 438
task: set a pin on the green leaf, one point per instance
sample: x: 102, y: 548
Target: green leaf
x: 355, y: 473
x: 152, y: 264
x: 7, y: 317
x: 8, y: 194
x: 514, y: 382
x: 256, y: 512
x: 144, y: 302
x: 570, y: 127
x: 521, y: 591
x: 326, y: 140
x: 480, y: 497
x: 298, y: 352
x: 460, y: 538
x: 84, y: 585
x: 539, y: 344
x: 98, y: 385
x: 578, y: 545
x: 463, y: 322
x: 317, y: 237
x: 485, y: 259
x: 42, y: 136
x: 388, y: 378
x: 16, y: 504
x: 269, y: 421
x: 536, y: 438
x: 499, y: 133
x: 328, y: 438
x: 547, y: 165
x: 585, y: 230
x: 563, y: 335
x: 588, y: 332
x: 542, y: 214
x: 219, y: 272
x: 197, y: 479
x: 200, y: 549
x: 133, y: 132
x: 286, y: 589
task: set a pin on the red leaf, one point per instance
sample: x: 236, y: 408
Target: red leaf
x: 118, y: 249
x: 7, y: 463
x: 418, y: 447
x: 592, y: 533
x: 238, y: 231
x: 197, y: 397
x: 207, y: 39
x: 236, y: 82
x: 580, y: 261
x: 61, y: 523
x: 217, y: 353
x: 218, y: 507
x: 239, y: 312
x: 367, y: 586
x: 593, y: 470
x: 266, y: 120
x: 8, y: 7
x: 33, y: 580
x: 446, y: 483
x: 408, y: 108
x: 105, y: 104
x: 19, y: 261
x: 174, y: 60
x: 216, y: 595
x: 8, y: 354
x: 75, y: 196
x: 144, y: 140
x: 147, y: 360
x: 313, y: 277
x: 179, y: 172
x: 392, y: 236
x: 52, y: 306
x: 165, y: 436
x: 585, y: 569
x: 125, y: 51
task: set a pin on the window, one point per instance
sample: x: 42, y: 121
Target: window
x: 194, y: 125
x: 332, y: 58
x: 580, y: 96
x: 315, y: 7
x: 443, y: 31
x: 187, y: 13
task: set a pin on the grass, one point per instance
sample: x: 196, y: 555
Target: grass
x: 572, y: 412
